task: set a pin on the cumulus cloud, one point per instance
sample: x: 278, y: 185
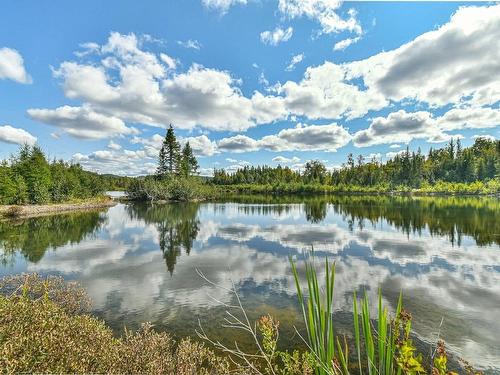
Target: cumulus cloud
x: 398, y: 126
x: 132, y: 85
x: 295, y: 60
x: 323, y: 11
x: 301, y: 138
x: 119, y: 162
x: 12, y: 66
x: 221, y: 5
x: 459, y: 60
x: 82, y: 122
x: 170, y: 61
x: 201, y: 145
x: 9, y: 134
x: 114, y: 146
x: 325, y: 92
x: 484, y: 136
x: 275, y: 37
x: 285, y: 160
x: 343, y: 44
x: 402, y: 126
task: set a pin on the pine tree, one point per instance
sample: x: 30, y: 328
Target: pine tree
x: 189, y: 164
x: 162, y: 169
x: 169, y: 157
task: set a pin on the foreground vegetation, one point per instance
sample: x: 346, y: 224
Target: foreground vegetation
x: 473, y: 170
x: 29, y: 178
x: 45, y: 327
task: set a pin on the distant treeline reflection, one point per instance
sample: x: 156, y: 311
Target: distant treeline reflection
x: 32, y: 237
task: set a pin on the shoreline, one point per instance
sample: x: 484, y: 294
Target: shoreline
x: 8, y: 212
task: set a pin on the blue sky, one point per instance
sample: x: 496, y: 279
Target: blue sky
x: 245, y: 81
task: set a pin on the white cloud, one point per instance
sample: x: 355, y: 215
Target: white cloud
x: 301, y: 138
x: 275, y: 37
x: 323, y: 11
x: 459, y: 61
x: 402, y: 126
x: 295, y: 60
x: 87, y: 49
x: 398, y: 126
x: 324, y: 93
x: 284, y: 160
x: 484, y: 136
x: 12, y: 66
x: 221, y: 5
x: 119, y: 162
x: 114, y: 146
x: 9, y: 134
x: 82, y: 122
x: 190, y: 44
x: 471, y: 118
x: 170, y: 61
x: 141, y: 92
x: 395, y: 146
x: 201, y: 145
x: 343, y: 44
x: 392, y: 154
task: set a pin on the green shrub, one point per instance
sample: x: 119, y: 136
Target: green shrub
x: 170, y: 189
x: 43, y: 330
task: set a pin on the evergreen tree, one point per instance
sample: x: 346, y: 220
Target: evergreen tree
x: 171, y: 152
x: 162, y: 168
x: 189, y: 164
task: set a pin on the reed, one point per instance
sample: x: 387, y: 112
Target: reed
x: 381, y: 345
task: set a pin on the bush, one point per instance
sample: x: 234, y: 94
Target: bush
x: 170, y: 189
x: 42, y: 330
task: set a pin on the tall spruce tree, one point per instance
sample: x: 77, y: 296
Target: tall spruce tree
x: 189, y: 164
x: 169, y: 157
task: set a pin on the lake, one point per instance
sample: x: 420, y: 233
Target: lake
x: 138, y: 262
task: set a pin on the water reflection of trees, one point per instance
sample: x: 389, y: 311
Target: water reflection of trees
x: 177, y: 224
x: 32, y: 237
x: 453, y: 217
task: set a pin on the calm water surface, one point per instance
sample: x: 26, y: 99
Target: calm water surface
x: 138, y: 262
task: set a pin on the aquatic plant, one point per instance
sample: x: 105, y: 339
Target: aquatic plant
x: 381, y: 348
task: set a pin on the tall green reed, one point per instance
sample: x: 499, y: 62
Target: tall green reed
x: 377, y: 349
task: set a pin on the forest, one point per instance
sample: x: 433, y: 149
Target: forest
x: 29, y: 178
x: 478, y: 164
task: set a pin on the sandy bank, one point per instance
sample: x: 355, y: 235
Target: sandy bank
x: 25, y: 211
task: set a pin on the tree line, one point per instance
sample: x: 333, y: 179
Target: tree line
x: 29, y: 178
x: 453, y: 163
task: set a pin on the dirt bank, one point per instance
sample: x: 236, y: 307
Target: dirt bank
x: 25, y: 211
